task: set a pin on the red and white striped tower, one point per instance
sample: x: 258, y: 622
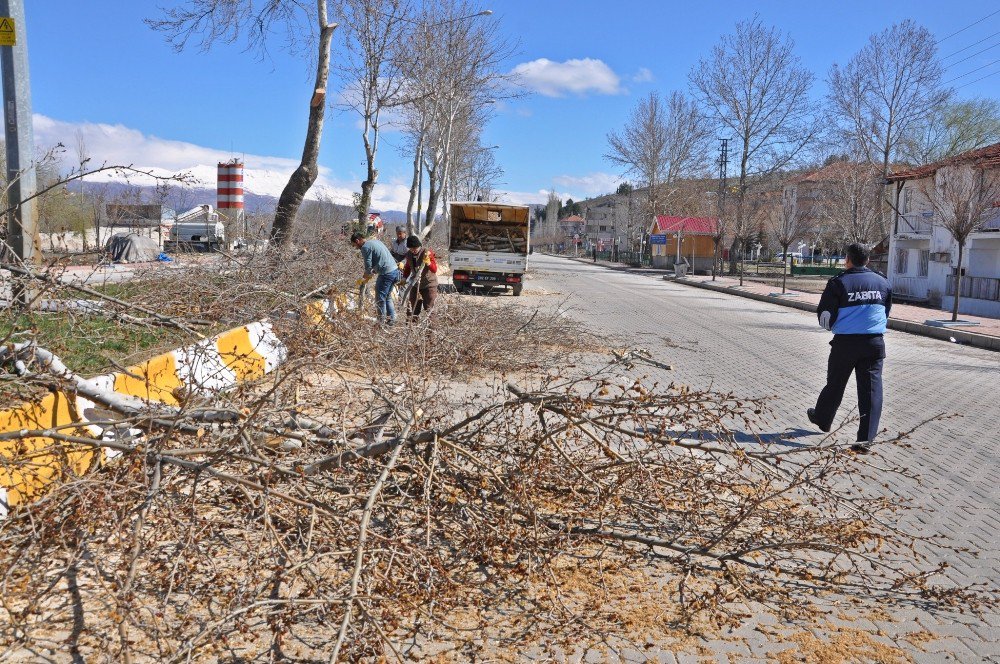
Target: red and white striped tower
x: 229, y: 194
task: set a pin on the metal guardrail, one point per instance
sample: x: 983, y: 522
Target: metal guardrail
x: 976, y: 288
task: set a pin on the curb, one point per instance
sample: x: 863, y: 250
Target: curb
x: 984, y: 341
x: 29, y: 464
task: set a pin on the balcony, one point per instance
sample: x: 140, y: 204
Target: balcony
x: 916, y: 223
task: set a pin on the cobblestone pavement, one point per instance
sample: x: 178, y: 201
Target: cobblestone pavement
x: 720, y: 341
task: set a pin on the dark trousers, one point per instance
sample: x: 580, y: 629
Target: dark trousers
x: 419, y: 300
x: 863, y: 357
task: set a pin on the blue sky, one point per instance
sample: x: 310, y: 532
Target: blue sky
x: 97, y: 69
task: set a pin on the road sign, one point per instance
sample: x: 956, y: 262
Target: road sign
x: 8, y: 36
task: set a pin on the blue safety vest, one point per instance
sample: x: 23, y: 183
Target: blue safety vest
x: 858, y: 301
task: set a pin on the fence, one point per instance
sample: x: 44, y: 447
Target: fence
x: 815, y: 270
x: 977, y: 288
x: 910, y: 288
x: 627, y: 257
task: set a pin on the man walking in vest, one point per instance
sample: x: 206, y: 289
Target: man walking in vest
x: 855, y: 307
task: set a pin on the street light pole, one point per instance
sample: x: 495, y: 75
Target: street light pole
x: 22, y: 219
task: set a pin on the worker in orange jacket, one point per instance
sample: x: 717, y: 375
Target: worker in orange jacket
x: 420, y: 261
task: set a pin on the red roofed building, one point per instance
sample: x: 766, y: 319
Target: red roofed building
x: 689, y: 237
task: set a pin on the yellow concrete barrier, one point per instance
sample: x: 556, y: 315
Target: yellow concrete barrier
x: 29, y: 463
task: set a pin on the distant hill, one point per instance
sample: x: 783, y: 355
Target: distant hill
x: 185, y: 198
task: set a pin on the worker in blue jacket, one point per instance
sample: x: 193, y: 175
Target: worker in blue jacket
x: 379, y: 263
x: 855, y: 307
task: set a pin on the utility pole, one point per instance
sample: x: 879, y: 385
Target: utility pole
x: 723, y: 169
x: 721, y: 198
x: 22, y: 220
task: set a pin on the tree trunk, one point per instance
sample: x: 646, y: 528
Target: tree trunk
x: 365, y: 204
x: 958, y: 282
x: 368, y: 185
x: 743, y: 260
x: 418, y: 157
x: 716, y: 243
x: 784, y: 266
x: 305, y: 175
x: 433, y: 192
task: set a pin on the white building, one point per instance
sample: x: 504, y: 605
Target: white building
x: 923, y: 256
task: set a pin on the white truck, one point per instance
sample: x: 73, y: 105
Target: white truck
x: 198, y: 228
x: 488, y: 246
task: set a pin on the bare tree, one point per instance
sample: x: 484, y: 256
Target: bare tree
x: 852, y: 203
x: 659, y: 144
x: 886, y: 90
x: 785, y: 227
x: 464, y: 60
x: 227, y: 20
x: 755, y: 86
x: 963, y: 198
x: 952, y: 129
x: 552, y: 205
x: 375, y: 32
x: 82, y: 158
x: 477, y: 173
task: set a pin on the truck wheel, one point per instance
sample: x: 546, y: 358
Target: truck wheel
x: 517, y: 289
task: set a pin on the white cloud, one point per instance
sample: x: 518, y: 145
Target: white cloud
x: 643, y: 75
x: 579, y: 77
x: 263, y: 175
x: 592, y: 184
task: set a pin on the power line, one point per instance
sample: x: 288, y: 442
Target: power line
x: 972, y: 71
x: 994, y: 73
x: 968, y: 26
x: 969, y: 57
x: 966, y: 48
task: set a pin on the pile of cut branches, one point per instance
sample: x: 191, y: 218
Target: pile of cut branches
x: 363, y: 503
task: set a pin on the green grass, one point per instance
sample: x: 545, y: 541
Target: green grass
x: 87, y: 344
x: 125, y: 290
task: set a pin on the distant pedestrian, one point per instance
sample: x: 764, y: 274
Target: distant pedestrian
x: 379, y: 263
x: 420, y: 263
x: 595, y: 254
x: 855, y: 307
x: 398, y: 246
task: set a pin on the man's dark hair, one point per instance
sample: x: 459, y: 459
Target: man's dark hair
x: 356, y: 236
x: 859, y: 254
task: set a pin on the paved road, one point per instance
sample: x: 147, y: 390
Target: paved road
x: 728, y: 343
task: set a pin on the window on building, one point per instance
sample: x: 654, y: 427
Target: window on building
x: 925, y: 259
x: 904, y: 205
x: 901, y: 256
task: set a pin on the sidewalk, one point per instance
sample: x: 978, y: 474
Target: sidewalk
x: 904, y: 317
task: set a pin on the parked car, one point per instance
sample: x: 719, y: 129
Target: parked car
x: 793, y: 255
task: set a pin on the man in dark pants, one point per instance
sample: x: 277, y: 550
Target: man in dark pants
x: 855, y: 307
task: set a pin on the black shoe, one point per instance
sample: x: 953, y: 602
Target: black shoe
x: 861, y: 448
x: 811, y: 414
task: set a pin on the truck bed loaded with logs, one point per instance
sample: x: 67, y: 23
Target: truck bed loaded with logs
x: 489, y: 246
